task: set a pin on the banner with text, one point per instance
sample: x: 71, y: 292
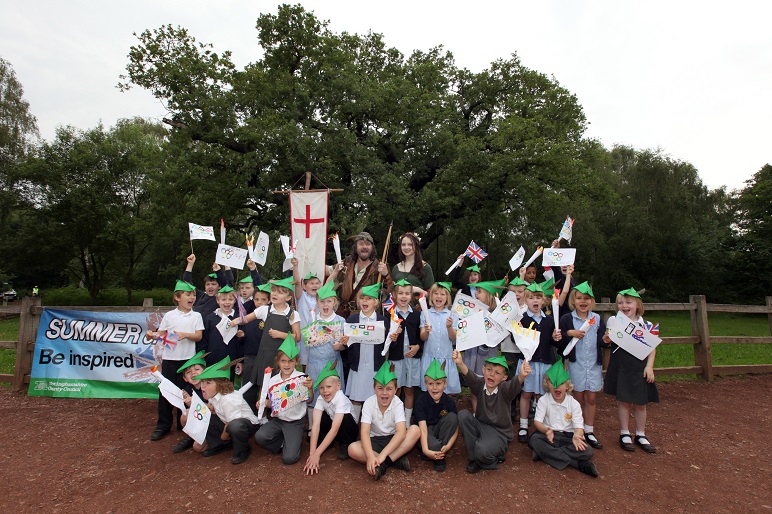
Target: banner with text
x: 82, y: 354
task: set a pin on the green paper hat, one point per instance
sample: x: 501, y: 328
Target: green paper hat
x: 330, y: 370
x: 225, y: 289
x: 326, y: 291
x: 181, y: 285
x: 310, y: 276
x: 402, y: 282
x: 500, y: 360
x: 212, y: 275
x: 629, y: 292
x: 557, y: 373
x: 474, y: 267
x: 446, y: 285
x: 535, y: 288
x: 196, y: 359
x: 247, y: 280
x: 435, y: 371
x: 517, y: 281
x: 218, y: 370
x: 585, y: 288
x: 266, y: 288
x: 385, y: 374
x: 547, y: 286
x: 371, y: 290
x: 289, y: 347
x: 492, y: 286
x: 287, y: 282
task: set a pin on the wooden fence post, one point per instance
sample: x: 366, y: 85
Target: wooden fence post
x: 702, y: 353
x: 769, y: 315
x: 147, y: 303
x: 28, y: 329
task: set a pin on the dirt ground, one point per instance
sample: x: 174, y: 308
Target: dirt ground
x: 72, y: 455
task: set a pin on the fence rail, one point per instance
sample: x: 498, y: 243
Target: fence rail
x: 30, y: 310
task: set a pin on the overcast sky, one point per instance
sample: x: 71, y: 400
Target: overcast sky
x: 692, y: 78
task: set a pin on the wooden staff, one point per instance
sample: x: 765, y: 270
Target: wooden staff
x: 385, y: 250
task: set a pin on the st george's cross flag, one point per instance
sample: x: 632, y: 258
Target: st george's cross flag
x: 308, y: 223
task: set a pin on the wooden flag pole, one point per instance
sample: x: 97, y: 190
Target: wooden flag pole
x: 386, y: 249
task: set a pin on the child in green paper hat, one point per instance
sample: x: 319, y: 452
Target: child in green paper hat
x: 405, y: 351
x: 220, y: 344
x: 332, y: 419
x: 364, y: 359
x: 279, y: 321
x: 630, y: 379
x: 306, y: 298
x: 436, y: 417
x: 240, y: 423
x: 559, y: 437
x: 187, y: 328
x: 465, y: 281
x: 488, y: 431
x: 382, y: 433
x: 192, y: 367
x: 438, y: 331
x: 205, y: 300
x: 284, y: 433
x: 585, y: 360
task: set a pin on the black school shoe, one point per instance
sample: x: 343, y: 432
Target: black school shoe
x: 158, y: 434
x: 522, y: 435
x: 628, y: 447
x: 440, y: 465
x: 380, y: 471
x: 473, y: 467
x: 185, y: 444
x: 592, y: 440
x: 217, y: 449
x: 648, y: 448
x: 402, y: 463
x: 588, y: 468
x: 343, y: 453
x: 241, y: 457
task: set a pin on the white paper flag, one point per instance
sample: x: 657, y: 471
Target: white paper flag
x: 526, y: 339
x: 464, y: 305
x: 371, y: 332
x: 424, y: 308
x: 336, y: 247
x: 227, y: 331
x: 558, y: 257
x: 567, y: 231
x: 631, y: 336
x: 231, y: 256
x: 201, y: 232
x: 198, y: 419
x: 169, y: 391
x: 261, y: 249
x: 508, y: 310
x: 470, y: 332
x: 516, y: 259
x: 494, y: 333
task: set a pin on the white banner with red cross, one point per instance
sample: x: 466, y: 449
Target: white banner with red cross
x: 308, y: 223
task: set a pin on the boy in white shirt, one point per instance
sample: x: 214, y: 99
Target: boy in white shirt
x: 187, y: 328
x: 559, y: 437
x: 383, y: 440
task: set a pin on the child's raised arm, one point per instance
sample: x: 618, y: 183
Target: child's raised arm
x: 296, y: 277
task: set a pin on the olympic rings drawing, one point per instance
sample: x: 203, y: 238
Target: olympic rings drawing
x: 557, y: 255
x: 466, y: 303
x: 226, y: 252
x: 505, y: 308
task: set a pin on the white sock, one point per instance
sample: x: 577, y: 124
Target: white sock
x: 524, y: 423
x: 624, y: 432
x: 640, y: 433
x: 408, y: 415
x: 356, y: 411
x: 588, y: 429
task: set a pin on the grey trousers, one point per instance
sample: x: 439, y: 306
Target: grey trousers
x: 241, y: 429
x: 277, y: 432
x: 484, y: 443
x: 438, y: 435
x: 561, y: 453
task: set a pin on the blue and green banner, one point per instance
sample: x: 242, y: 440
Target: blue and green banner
x: 82, y: 354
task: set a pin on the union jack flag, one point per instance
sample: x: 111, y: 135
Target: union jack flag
x: 169, y: 339
x: 389, y: 303
x: 653, y: 328
x: 475, y: 252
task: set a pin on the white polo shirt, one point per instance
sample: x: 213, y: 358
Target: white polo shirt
x: 563, y: 417
x: 232, y: 406
x: 262, y: 313
x: 383, y: 423
x: 340, y: 404
x: 178, y: 321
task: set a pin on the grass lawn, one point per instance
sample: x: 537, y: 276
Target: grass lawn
x: 671, y: 323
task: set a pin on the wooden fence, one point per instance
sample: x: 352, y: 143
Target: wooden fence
x: 701, y: 340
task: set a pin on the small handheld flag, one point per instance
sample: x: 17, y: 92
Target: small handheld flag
x: 474, y: 252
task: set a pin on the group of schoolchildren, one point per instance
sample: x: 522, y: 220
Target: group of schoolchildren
x: 355, y: 389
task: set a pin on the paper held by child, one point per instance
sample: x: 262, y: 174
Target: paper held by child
x: 168, y: 390
x: 226, y: 330
x: 393, y: 327
x: 494, y: 333
x: 470, y: 332
x: 533, y: 257
x: 424, y: 307
x: 231, y: 256
x: 288, y: 393
x: 567, y: 231
x: 289, y: 251
x: 558, y: 257
x: 261, y: 399
x: 631, y: 336
x: 336, y: 247
x: 319, y: 332
x: 526, y: 339
x: 198, y: 419
x: 516, y: 259
x: 261, y: 249
x: 507, y: 310
x: 371, y: 332
x: 201, y: 232
x: 464, y: 305
x: 585, y: 326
